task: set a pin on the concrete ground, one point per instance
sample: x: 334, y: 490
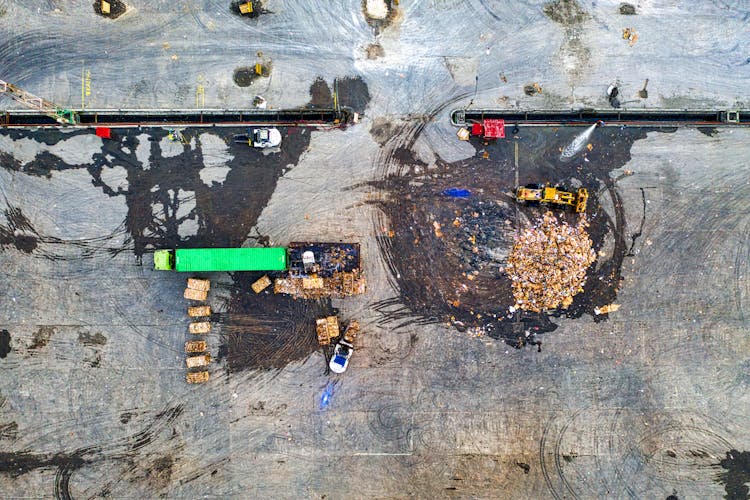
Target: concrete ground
x: 648, y: 403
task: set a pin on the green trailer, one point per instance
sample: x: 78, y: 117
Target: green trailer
x: 221, y: 259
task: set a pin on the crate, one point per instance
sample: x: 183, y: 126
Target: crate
x: 193, y: 294
x: 197, y: 284
x: 197, y: 377
x: 199, y: 311
x: 261, y: 284
x: 198, y: 361
x: 195, y: 346
x: 199, y: 327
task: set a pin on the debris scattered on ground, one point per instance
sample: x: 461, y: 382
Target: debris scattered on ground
x: 630, y: 35
x: 338, y: 285
x: 548, y: 264
x: 463, y: 134
x: 322, y: 270
x: 606, y: 309
x: 532, y: 88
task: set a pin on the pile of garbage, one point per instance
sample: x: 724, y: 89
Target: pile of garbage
x: 548, y: 263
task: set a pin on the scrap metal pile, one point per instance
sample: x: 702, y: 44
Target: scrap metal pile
x: 548, y: 263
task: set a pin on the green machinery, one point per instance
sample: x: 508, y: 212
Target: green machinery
x: 61, y: 115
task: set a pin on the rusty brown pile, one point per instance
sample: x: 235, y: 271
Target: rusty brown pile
x: 548, y: 263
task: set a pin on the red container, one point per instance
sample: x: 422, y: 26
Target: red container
x: 104, y: 132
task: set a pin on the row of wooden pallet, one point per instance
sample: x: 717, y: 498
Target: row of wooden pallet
x: 197, y: 357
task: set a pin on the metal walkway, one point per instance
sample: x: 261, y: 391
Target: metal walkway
x: 640, y: 117
x: 305, y: 117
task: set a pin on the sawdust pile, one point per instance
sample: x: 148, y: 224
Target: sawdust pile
x: 548, y: 263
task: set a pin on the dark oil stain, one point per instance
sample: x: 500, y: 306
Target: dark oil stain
x: 565, y: 12
x: 245, y: 75
x: 320, y: 94
x: 526, y: 467
x: 709, y: 131
x: 737, y: 475
x: 89, y: 339
x: 117, y: 8
x: 627, y: 9
x: 352, y: 93
x: 4, y: 343
x: 16, y: 464
x: 456, y: 276
x: 258, y: 9
x: 94, y: 360
x: 18, y: 231
x: 9, y: 431
x: 41, y: 336
x: 383, y: 130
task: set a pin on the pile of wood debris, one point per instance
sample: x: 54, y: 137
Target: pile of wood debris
x: 548, y: 263
x: 338, y: 285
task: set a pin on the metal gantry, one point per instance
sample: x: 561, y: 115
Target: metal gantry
x: 62, y: 115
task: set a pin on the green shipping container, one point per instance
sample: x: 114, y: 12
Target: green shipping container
x: 230, y: 259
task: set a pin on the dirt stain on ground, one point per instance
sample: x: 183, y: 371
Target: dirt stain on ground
x: 565, y: 12
x: 374, y: 51
x: 352, y: 93
x: 267, y: 330
x: 627, y: 9
x: 9, y: 431
x: 127, y: 450
x: 116, y: 8
x: 245, y: 75
x: 4, y: 343
x: 18, y: 231
x: 41, y: 336
x: 89, y: 339
x: 447, y: 253
x: 737, y: 475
